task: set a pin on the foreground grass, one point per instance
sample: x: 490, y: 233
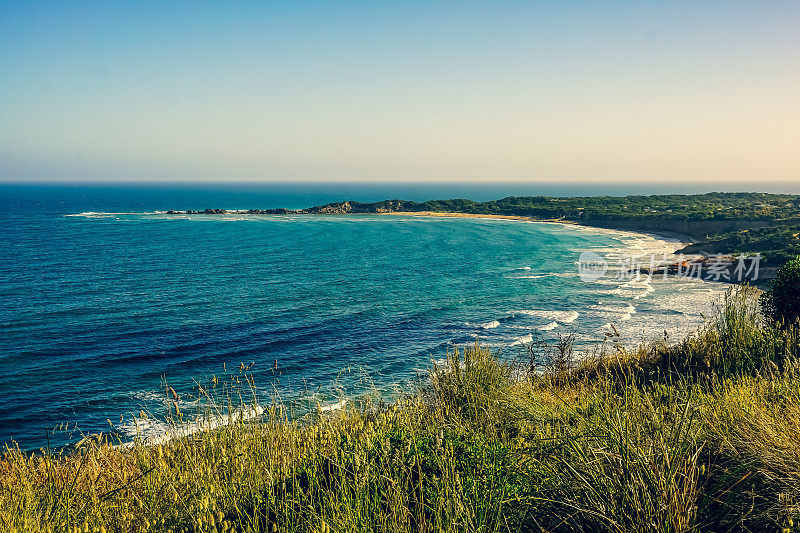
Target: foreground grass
x: 701, y: 436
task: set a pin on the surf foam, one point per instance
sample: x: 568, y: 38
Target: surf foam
x: 153, y: 432
x: 565, y: 317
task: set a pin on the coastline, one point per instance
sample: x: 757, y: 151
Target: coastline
x: 669, y: 236
x: 639, y: 275
x: 715, y: 226
x: 608, y: 241
x: 206, y: 478
x: 682, y: 238
x: 687, y: 240
x: 680, y: 241
x: 628, y: 239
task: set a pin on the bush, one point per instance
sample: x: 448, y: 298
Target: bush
x: 781, y: 301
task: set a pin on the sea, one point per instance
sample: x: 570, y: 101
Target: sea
x: 115, y: 314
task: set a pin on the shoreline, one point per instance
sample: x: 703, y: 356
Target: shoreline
x: 186, y: 473
x: 188, y: 430
x: 681, y: 240
x: 714, y: 225
x: 678, y: 241
x: 668, y: 236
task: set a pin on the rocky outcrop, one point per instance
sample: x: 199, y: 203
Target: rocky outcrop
x: 341, y: 208
x: 280, y: 211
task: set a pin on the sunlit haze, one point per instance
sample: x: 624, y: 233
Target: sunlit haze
x: 535, y: 91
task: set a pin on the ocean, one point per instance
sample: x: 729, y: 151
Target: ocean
x: 108, y: 301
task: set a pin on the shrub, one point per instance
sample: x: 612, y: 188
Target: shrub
x: 781, y: 301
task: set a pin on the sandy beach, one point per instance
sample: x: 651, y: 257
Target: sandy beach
x: 679, y: 239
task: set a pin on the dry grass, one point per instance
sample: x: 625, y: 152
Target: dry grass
x: 702, y: 436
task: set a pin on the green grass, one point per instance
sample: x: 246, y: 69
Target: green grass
x: 699, y: 436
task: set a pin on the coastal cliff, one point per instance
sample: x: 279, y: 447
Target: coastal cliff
x: 697, y: 229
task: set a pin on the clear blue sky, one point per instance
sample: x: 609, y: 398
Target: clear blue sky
x: 553, y: 90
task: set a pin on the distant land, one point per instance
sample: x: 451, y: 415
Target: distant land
x: 720, y: 223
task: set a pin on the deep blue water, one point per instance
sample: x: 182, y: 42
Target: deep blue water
x: 103, y: 297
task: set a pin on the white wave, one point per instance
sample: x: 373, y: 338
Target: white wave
x: 522, y: 340
x: 540, y: 275
x: 480, y: 343
x: 570, y: 317
x: 548, y: 327
x: 162, y: 398
x: 490, y: 325
x: 95, y: 214
x: 152, y: 432
x: 230, y: 214
x: 441, y: 363
x: 616, y: 313
x: 617, y: 232
x: 334, y: 406
x: 604, y: 310
x: 634, y: 288
x: 647, y: 290
x: 602, y: 281
x: 565, y: 317
x: 676, y: 308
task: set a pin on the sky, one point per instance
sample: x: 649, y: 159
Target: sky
x: 547, y: 91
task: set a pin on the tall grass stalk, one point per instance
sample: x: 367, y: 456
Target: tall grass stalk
x: 702, y: 435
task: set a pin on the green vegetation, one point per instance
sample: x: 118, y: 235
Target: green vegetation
x: 724, y: 223
x: 711, y: 206
x: 777, y: 244
x: 703, y: 435
x: 781, y: 301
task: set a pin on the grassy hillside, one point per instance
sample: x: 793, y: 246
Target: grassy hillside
x: 704, y: 435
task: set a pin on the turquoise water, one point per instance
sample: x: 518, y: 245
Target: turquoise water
x: 102, y: 304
